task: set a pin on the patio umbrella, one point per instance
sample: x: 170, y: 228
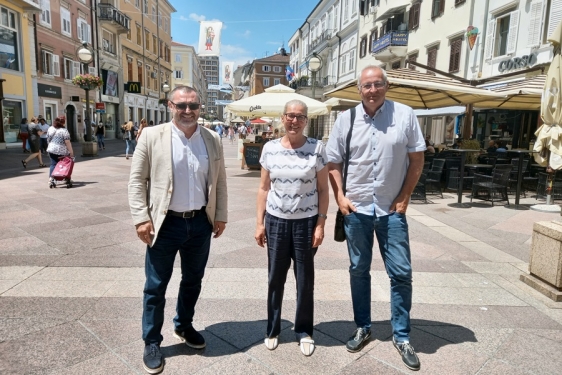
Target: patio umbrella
x: 272, y: 103
x: 258, y: 121
x: 237, y: 120
x: 337, y: 104
x: 523, y: 94
x: 421, y: 90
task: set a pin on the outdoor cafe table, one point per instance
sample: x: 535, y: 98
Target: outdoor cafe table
x: 479, y: 166
x: 520, y: 153
x: 459, y: 203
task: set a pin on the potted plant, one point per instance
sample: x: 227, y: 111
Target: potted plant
x: 87, y: 81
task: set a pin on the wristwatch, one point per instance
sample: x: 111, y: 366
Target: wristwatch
x: 323, y: 216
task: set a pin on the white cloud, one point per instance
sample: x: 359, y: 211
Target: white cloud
x: 245, y: 34
x: 274, y: 43
x: 229, y: 49
x: 196, y: 17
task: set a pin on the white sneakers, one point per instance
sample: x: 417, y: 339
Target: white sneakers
x: 306, y: 344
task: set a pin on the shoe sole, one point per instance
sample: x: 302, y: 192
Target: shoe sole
x: 194, y: 346
x: 153, y: 370
x: 365, y: 341
x: 405, y: 364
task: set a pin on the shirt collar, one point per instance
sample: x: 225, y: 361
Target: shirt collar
x: 380, y: 110
x: 180, y: 134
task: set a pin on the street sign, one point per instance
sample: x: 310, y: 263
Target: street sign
x: 100, y: 107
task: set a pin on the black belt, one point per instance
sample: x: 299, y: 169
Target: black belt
x: 186, y: 214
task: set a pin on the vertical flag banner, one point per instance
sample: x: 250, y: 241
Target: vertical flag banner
x: 227, y: 70
x: 289, y: 73
x: 209, y: 38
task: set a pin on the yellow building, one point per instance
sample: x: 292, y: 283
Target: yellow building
x: 146, y: 54
x: 17, y: 59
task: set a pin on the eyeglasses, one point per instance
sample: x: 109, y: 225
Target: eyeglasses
x: 292, y: 116
x: 376, y: 85
x: 184, y: 106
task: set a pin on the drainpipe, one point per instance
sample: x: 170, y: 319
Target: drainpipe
x: 466, y: 60
x: 484, y: 30
x: 97, y: 41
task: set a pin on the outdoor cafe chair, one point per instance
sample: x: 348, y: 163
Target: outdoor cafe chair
x: 433, y: 180
x: 492, y: 188
x: 419, y: 191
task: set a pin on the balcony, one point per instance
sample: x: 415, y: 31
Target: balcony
x: 325, y: 36
x: 390, y: 46
x: 108, y: 13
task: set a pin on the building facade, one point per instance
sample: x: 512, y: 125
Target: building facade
x: 267, y: 72
x: 211, y: 69
x: 187, y: 70
x: 146, y: 59
x: 17, y: 66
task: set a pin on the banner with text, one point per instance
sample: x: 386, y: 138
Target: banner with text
x: 209, y: 38
x: 227, y: 70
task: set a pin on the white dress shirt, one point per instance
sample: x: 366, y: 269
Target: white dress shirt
x: 190, y: 168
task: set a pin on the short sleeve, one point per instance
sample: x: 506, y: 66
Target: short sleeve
x: 416, y: 141
x: 263, y: 157
x: 321, y: 157
x: 334, y: 147
x: 66, y: 135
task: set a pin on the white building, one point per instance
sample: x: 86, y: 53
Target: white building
x: 187, y: 70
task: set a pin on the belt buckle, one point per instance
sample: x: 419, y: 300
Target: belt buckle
x: 188, y: 214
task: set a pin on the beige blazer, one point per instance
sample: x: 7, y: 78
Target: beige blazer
x: 150, y: 181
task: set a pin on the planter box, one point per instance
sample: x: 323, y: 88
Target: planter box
x: 89, y: 149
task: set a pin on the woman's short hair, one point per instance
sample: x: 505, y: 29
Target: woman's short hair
x: 59, y: 122
x: 33, y: 119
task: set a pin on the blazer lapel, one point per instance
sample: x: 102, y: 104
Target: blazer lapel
x: 166, y: 147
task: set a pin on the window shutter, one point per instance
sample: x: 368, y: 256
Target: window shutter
x: 56, y: 65
x: 454, y: 58
x: 555, y: 16
x: 535, y: 24
x: 441, y: 7
x: 490, y: 39
x: 89, y: 32
x: 362, y: 5
x: 411, y: 18
x: 44, y: 57
x: 75, y: 68
x: 513, y: 29
x: 92, y: 70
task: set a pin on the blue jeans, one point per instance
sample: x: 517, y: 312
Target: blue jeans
x: 290, y: 240
x: 192, y: 237
x: 100, y: 141
x: 394, y: 246
x: 54, y: 161
x: 132, y: 144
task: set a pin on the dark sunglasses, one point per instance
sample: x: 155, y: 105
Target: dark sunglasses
x: 184, y: 106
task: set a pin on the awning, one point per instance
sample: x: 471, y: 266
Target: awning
x: 421, y: 90
x: 393, y: 11
x: 453, y: 110
x: 336, y: 104
x: 522, y: 94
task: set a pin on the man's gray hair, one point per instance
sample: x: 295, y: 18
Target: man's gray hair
x: 374, y: 67
x: 296, y: 102
x: 185, y: 88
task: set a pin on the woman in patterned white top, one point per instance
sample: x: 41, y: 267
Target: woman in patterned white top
x: 291, y: 212
x: 59, y: 143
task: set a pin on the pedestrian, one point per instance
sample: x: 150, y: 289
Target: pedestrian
x: 385, y: 160
x: 185, y: 160
x: 44, y: 128
x: 292, y: 202
x: 231, y: 134
x: 35, y: 132
x: 100, y: 134
x: 24, y: 134
x: 143, y: 125
x: 219, y: 131
x: 59, y: 144
x: 129, y: 137
x: 242, y: 131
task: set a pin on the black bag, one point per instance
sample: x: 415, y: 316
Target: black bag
x: 339, y: 232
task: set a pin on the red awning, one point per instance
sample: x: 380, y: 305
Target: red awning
x: 258, y: 121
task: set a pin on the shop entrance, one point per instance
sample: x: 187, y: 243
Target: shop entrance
x: 71, y: 122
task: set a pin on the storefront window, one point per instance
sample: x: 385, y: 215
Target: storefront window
x: 12, y: 115
x: 8, y: 40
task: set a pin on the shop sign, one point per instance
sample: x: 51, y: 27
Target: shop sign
x: 518, y: 62
x: 100, y: 107
x: 49, y: 91
x: 133, y: 87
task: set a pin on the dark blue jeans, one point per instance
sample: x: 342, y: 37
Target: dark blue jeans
x: 394, y: 246
x: 286, y: 240
x: 192, y: 237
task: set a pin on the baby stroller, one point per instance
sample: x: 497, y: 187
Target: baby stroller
x: 62, y: 172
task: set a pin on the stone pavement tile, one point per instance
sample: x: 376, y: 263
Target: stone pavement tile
x: 255, y: 275
x: 254, y: 257
x: 329, y: 357
x: 12, y: 328
x: 53, y: 348
x: 497, y: 367
x: 531, y: 352
x: 93, y: 219
x: 489, y: 252
x: 465, y: 296
x: 12, y: 233
x: 237, y: 290
x: 6, y: 284
x: 225, y: 244
x: 237, y: 364
x: 428, y: 265
x: 57, y: 288
x: 494, y: 268
x: 242, y: 334
x: 107, y: 363
x: 47, y: 308
x: 526, y: 317
x: 47, y: 226
x: 453, y: 234
x: 368, y: 365
x: 178, y: 357
x: 115, y: 333
x: 342, y: 330
x: 85, y: 259
x: 117, y: 309
x: 332, y: 292
x: 89, y: 274
x: 238, y: 310
x: 18, y: 273
x: 112, y: 209
x: 435, y: 355
x: 26, y: 245
x: 457, y: 280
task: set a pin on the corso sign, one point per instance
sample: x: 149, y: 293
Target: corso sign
x: 518, y: 62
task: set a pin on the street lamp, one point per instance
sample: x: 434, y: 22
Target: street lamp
x: 166, y: 89
x: 314, y: 65
x: 86, y: 55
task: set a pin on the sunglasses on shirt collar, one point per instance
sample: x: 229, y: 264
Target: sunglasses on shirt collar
x: 184, y: 106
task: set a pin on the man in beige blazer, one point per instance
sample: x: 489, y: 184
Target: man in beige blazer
x: 178, y: 199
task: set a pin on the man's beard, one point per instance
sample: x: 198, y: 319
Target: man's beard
x: 185, y: 123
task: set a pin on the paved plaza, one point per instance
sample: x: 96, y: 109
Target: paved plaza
x: 71, y: 281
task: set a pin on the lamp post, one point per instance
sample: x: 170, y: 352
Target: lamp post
x: 166, y: 89
x: 86, y: 55
x: 314, y: 65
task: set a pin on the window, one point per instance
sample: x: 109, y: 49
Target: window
x: 265, y: 81
x: 501, y: 35
x: 160, y: 21
x: 276, y: 81
x: 554, y: 18
x: 71, y: 68
x: 438, y: 8
x: 50, y: 63
x: 65, y: 22
x: 139, y: 73
x: 83, y: 30
x: 343, y: 63
x: 147, y: 40
x: 395, y: 65
x: 108, y: 42
x: 153, y: 14
x: 345, y: 12
x: 266, y: 68
x: 178, y: 57
x: 137, y: 4
x: 413, y: 57
x: 336, y: 20
x: 129, y: 34
x: 351, y: 60
x: 129, y: 70
x: 145, y: 7
x: 459, y: 2
x: 414, y: 17
x: 46, y: 12
x: 178, y: 74
x: 154, y: 44
x: 363, y: 47
x: 277, y: 69
x: 139, y: 35
x: 372, y: 38
x: 455, y: 57
x: 431, y: 58
x: 9, y: 51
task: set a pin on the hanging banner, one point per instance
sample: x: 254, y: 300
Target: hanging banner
x: 227, y: 69
x: 209, y: 38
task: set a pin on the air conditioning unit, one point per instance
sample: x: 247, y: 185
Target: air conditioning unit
x: 152, y: 75
x: 373, y: 9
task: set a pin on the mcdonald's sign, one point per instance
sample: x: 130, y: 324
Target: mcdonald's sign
x: 133, y: 87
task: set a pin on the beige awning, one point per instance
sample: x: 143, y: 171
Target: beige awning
x: 522, y: 94
x: 421, y: 90
x: 337, y: 104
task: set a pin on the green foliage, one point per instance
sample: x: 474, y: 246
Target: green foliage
x: 471, y: 144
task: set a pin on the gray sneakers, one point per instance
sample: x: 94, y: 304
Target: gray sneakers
x: 408, y: 354
x: 358, y: 340
x: 152, y: 359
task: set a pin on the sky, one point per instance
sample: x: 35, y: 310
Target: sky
x: 251, y: 28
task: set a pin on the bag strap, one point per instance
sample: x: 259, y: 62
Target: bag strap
x: 347, y: 143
